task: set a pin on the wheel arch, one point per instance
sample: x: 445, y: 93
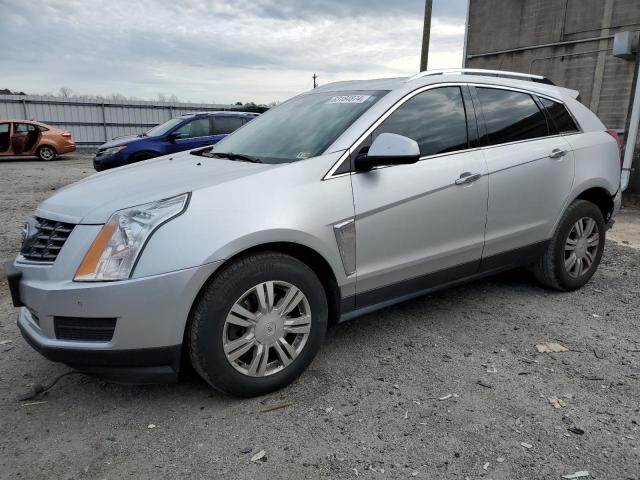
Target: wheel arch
x: 597, y: 191
x: 307, y: 255
x: 601, y: 198
x: 46, y: 144
x: 599, y: 195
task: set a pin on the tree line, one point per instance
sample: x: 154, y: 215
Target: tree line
x: 66, y: 92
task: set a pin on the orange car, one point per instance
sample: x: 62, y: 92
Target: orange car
x: 29, y: 138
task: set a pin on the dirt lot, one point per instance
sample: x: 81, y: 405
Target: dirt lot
x: 446, y: 386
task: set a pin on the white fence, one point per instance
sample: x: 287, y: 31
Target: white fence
x: 92, y: 122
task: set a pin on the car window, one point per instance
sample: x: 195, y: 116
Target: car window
x: 560, y: 118
x: 225, y: 125
x: 435, y: 119
x: 23, y: 127
x: 300, y: 128
x: 511, y: 116
x: 195, y: 128
x: 163, y: 128
x: 4, y: 128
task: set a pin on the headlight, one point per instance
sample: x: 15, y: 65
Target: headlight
x: 114, y: 150
x: 115, y: 250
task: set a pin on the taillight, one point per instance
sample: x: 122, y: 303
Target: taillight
x: 616, y: 137
x: 66, y: 134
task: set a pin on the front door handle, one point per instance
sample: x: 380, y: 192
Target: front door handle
x: 557, y: 153
x: 467, y: 177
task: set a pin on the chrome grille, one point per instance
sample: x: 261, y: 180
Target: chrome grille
x: 44, y: 239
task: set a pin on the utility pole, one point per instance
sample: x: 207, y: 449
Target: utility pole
x: 426, y: 34
x: 315, y: 78
x: 626, y: 45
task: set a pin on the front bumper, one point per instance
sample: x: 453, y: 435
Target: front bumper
x: 150, y: 316
x: 103, y: 162
x: 134, y: 366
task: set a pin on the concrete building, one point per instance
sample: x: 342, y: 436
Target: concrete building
x: 567, y: 41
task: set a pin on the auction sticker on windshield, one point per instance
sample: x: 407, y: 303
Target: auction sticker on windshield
x: 349, y: 99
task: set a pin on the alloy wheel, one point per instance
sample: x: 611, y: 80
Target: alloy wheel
x: 581, y: 247
x: 266, y: 328
x: 46, y: 153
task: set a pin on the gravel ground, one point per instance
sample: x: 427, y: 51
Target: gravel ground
x: 445, y: 386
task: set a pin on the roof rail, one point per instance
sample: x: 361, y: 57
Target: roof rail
x: 479, y: 71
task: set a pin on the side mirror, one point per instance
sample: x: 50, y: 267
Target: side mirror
x: 389, y: 149
x: 173, y: 137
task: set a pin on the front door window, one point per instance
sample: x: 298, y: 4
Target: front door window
x: 193, y: 129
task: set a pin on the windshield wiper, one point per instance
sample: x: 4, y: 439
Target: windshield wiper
x: 235, y: 156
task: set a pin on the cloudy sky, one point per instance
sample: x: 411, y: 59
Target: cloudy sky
x: 217, y: 50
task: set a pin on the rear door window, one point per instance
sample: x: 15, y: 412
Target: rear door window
x: 195, y: 128
x: 24, y: 127
x: 436, y: 119
x: 560, y: 118
x: 225, y: 125
x: 511, y: 116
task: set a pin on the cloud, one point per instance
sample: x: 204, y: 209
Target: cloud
x: 219, y: 51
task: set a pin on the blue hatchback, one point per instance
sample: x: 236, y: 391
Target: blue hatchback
x: 181, y: 133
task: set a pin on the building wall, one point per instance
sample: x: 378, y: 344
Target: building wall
x: 568, y: 41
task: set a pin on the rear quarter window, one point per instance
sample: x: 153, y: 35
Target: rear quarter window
x: 226, y: 125
x: 560, y: 118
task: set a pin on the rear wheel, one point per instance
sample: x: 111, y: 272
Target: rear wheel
x: 575, y: 250
x: 46, y: 153
x: 258, y: 324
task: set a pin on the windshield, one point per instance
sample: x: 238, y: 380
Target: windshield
x: 163, y: 128
x: 300, y: 128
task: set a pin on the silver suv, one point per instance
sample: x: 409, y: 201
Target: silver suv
x: 340, y: 201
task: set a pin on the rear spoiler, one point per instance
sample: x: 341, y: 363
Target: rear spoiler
x: 575, y: 94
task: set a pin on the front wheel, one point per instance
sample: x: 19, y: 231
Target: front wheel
x: 575, y: 250
x: 46, y: 153
x: 258, y: 324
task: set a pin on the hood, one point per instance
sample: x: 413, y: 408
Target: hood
x: 125, y: 140
x: 94, y: 199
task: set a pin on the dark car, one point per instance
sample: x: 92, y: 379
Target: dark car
x: 185, y: 132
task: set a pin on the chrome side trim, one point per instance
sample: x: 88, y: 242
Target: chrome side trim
x: 36, y: 263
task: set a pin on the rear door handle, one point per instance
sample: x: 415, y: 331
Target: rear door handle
x: 557, y: 153
x: 467, y: 177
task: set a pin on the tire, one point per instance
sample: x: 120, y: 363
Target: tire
x: 46, y: 153
x: 213, y: 333
x: 556, y: 268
